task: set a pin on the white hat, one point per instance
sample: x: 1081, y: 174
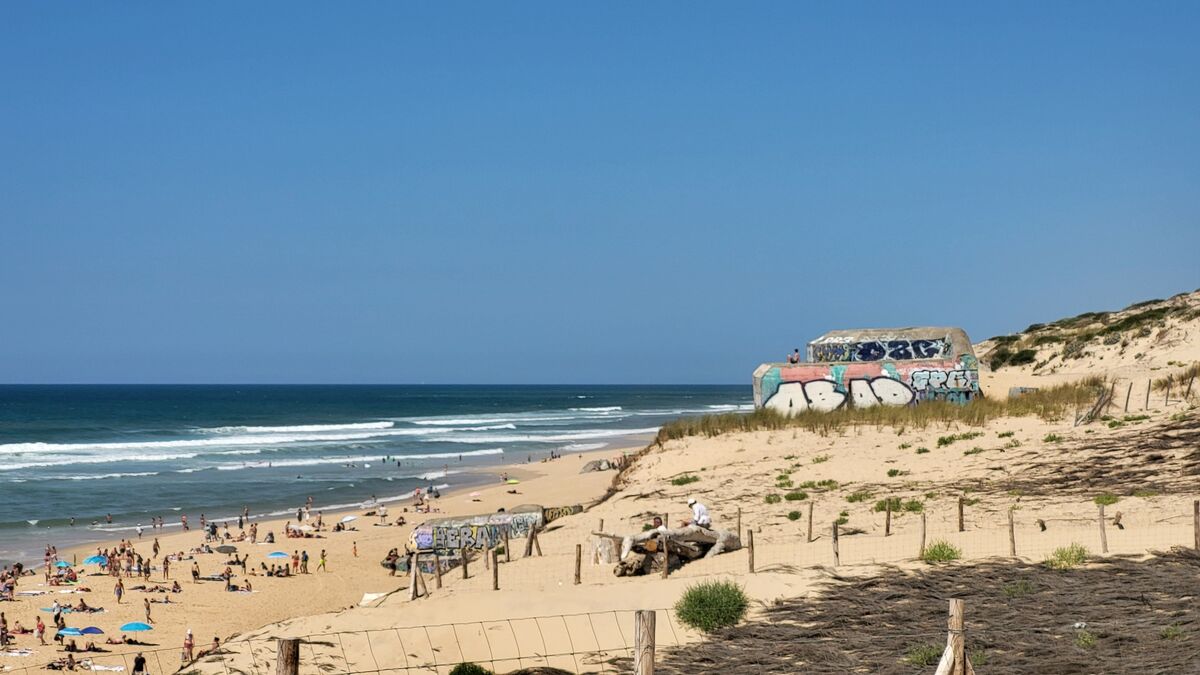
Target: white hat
x: 691, y: 500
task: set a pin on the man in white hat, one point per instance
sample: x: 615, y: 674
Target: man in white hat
x: 699, y: 513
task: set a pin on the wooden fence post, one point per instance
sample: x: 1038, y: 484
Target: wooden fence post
x: 1012, y: 535
x: 1128, y: 392
x: 1187, y: 394
x: 1196, y: 523
x: 1148, y: 394
x: 836, y: 556
x: 529, y: 542
x: 437, y: 569
x: 750, y: 547
x: 1103, y: 534
x: 643, y: 645
x: 507, y: 548
x: 412, y: 577
x: 578, y: 562
x: 464, y: 561
x: 810, y: 510
x: 666, y: 556
x: 287, y: 656
x: 495, y: 571
x: 1167, y: 398
x: 739, y: 523
x: 887, y: 523
x: 921, y: 553
x: 954, y: 623
x: 960, y: 514
x: 537, y: 545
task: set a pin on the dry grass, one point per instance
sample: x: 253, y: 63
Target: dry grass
x: 1053, y: 403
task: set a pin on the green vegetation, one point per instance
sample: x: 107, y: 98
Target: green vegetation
x: 922, y: 451
x: 1107, y: 499
x: 469, y: 669
x: 1171, y: 632
x: 686, y: 479
x: 913, y: 506
x: 1085, y: 639
x: 1018, y: 589
x: 794, y: 515
x: 924, y: 654
x: 1175, y: 379
x: 859, y: 496
x: 892, y: 473
x: 905, y: 446
x: 772, y: 498
x: 1144, y: 492
x: 827, y: 484
x: 1052, y: 438
x: 943, y: 441
x: 882, y: 504
x: 796, y: 495
x: 941, y: 551
x: 973, y: 451
x: 1005, y: 434
x: 710, y: 605
x: 977, y: 657
x: 1067, y: 557
x: 1050, y: 403
x: 843, y: 518
x: 819, y: 459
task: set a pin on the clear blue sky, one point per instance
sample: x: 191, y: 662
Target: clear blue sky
x: 574, y: 192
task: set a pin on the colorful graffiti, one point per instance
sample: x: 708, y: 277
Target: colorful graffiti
x: 833, y: 350
x: 825, y: 387
x: 485, y: 530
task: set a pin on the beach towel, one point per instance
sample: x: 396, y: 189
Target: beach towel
x: 31, y: 593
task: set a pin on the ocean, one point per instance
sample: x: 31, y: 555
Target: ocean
x: 133, y: 452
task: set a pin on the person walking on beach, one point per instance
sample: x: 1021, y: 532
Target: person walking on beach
x: 183, y: 519
x: 119, y: 590
x: 189, y: 647
x: 40, y: 631
x: 321, y: 561
x: 146, y: 602
x: 155, y: 548
x: 355, y: 549
x: 304, y: 562
x: 195, y: 572
x: 139, y: 664
x: 166, y: 567
x: 295, y: 561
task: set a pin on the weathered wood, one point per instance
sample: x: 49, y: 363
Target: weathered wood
x: 960, y: 514
x: 954, y: 623
x: 836, y: 554
x: 437, y: 569
x: 537, y: 545
x: 1148, y: 394
x: 495, y: 571
x: 739, y: 522
x: 1167, y: 397
x: 1187, y: 394
x: 412, y: 577
x: 1103, y: 534
x: 810, y: 516
x: 1196, y: 524
x: 1128, y: 393
x: 507, y: 548
x: 921, y: 551
x: 615, y: 537
x: 529, y: 542
x: 578, y: 563
x: 464, y: 561
x: 887, y: 523
x: 424, y: 590
x: 1012, y: 535
x: 643, y: 642
x: 750, y: 548
x: 287, y: 656
x: 666, y: 556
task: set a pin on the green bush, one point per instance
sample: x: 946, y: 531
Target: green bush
x: 860, y: 496
x: 1085, y: 639
x: 941, y: 551
x: 794, y: 515
x: 796, y: 495
x: 1067, y: 557
x: 1052, y: 438
x: 684, y: 480
x: 913, y: 506
x: 772, y: 499
x: 1023, y: 357
x: 1005, y: 434
x: 710, y: 605
x: 820, y: 459
x: 469, y: 669
x: 1018, y: 589
x: 921, y: 451
x: 1107, y: 499
x: 923, y: 654
x: 943, y: 441
x: 882, y: 504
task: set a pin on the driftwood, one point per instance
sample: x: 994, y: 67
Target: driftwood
x: 640, y: 553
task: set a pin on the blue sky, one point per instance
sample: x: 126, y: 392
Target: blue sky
x: 574, y: 192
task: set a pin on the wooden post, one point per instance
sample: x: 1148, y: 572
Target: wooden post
x: 1128, y: 392
x: 836, y: 556
x: 666, y: 523
x: 960, y: 514
x: 750, y: 547
x: 495, y: 571
x: 601, y: 528
x: 437, y: 569
x: 507, y: 548
x: 666, y: 553
x: 1147, y: 394
x: 1012, y: 535
x: 420, y: 575
x: 578, y: 562
x: 739, y: 523
x: 1103, y: 535
x: 529, y: 542
x: 537, y: 545
x: 412, y: 577
x: 955, y: 625
x: 287, y: 656
x: 1187, y: 394
x: 643, y: 644
x: 810, y: 510
x: 1196, y: 523
x: 921, y: 553
x: 464, y: 561
x: 1167, y: 398
x: 887, y: 523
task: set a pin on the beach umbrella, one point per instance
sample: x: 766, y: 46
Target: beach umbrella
x: 70, y: 631
x: 278, y: 554
x: 226, y: 549
x: 95, y: 560
x: 91, y: 630
x: 136, y: 627
x: 347, y: 519
x: 61, y: 564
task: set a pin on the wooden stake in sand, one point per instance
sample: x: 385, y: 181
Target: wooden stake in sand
x: 666, y: 560
x: 887, y: 523
x: 954, y: 661
x: 1167, y: 398
x: 750, y: 548
x: 960, y: 514
x: 921, y: 551
x: 437, y: 569
x: 1196, y: 523
x: 495, y: 571
x: 287, y: 656
x: 1187, y: 394
x: 739, y: 523
x: 1128, y: 392
x: 1147, y: 394
x: 1103, y: 534
x: 643, y: 642
x: 810, y: 510
x: 1012, y: 535
x: 837, y: 558
x: 412, y: 576
x: 578, y: 562
x: 463, y: 555
x: 507, y: 548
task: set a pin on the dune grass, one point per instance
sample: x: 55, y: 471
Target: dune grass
x: 1051, y: 404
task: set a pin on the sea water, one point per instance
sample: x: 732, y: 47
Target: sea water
x: 137, y: 452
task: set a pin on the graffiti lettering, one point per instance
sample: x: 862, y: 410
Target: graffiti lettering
x: 560, y: 512
x: 824, y: 395
x: 874, y: 350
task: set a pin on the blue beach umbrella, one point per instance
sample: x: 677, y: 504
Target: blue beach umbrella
x: 278, y: 554
x: 96, y: 560
x: 136, y: 627
x: 91, y: 630
x: 70, y: 631
x: 61, y: 564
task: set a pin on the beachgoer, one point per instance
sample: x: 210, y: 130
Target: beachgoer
x: 700, y: 515
x: 189, y: 645
x: 119, y: 590
x: 321, y: 561
x: 147, y: 603
x: 794, y: 357
x: 355, y: 549
x: 139, y: 664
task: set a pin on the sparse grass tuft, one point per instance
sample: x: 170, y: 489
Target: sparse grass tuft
x: 882, y: 504
x: 794, y: 515
x: 1067, y: 557
x: 973, y: 451
x: 1018, y: 589
x: 820, y: 459
x: 1171, y: 632
x: 924, y: 654
x: 941, y: 551
x: 1106, y: 499
x: 922, y: 451
x: 943, y: 441
x: 796, y: 495
x: 1005, y: 434
x: 686, y: 479
x: 1052, y: 438
x: 772, y: 498
x: 1085, y: 639
x: 859, y: 496
x: 892, y: 473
